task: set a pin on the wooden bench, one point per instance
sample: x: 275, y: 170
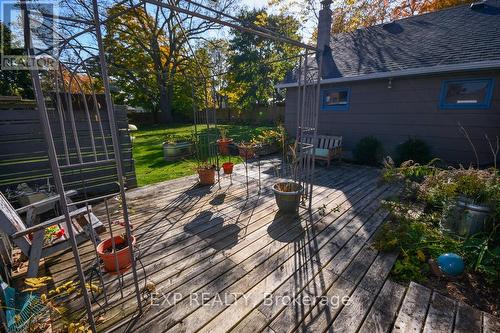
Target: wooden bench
x: 327, y: 147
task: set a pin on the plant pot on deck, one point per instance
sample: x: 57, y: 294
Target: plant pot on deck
x: 122, y: 255
x: 224, y: 146
x: 207, y: 175
x: 247, y: 152
x: 228, y: 168
x: 287, y: 195
x: 176, y: 151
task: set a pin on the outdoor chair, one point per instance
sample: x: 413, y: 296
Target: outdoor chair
x: 30, y: 240
x: 327, y: 147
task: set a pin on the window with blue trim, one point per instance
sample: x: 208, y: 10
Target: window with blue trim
x: 335, y: 99
x: 467, y: 94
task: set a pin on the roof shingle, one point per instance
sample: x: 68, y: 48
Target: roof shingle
x: 452, y: 36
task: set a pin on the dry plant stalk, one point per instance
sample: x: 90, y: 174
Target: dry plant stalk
x: 494, y: 150
x: 289, y: 186
x: 466, y: 135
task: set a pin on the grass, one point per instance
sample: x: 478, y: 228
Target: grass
x: 151, y: 168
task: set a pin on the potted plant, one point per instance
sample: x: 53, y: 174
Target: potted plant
x: 177, y: 147
x: 206, y: 172
x: 247, y: 150
x: 224, y: 142
x: 269, y: 141
x: 119, y: 255
x: 289, y: 193
x: 474, y: 199
x: 228, y: 168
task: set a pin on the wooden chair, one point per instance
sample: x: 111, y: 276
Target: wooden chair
x: 327, y: 147
x: 31, y: 239
x: 37, y: 208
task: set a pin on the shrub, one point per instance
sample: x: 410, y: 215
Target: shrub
x: 369, y: 151
x: 413, y: 149
x: 408, y: 170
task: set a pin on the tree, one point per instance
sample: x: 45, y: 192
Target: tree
x: 147, y: 49
x: 13, y: 82
x: 254, y: 62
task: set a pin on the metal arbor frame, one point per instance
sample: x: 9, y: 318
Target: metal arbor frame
x: 75, y: 158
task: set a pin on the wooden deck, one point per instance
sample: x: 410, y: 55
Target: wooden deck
x: 225, y: 260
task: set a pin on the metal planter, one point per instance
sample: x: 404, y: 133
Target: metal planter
x: 177, y: 151
x: 467, y: 218
x: 475, y: 219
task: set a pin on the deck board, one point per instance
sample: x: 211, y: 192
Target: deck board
x: 240, y: 266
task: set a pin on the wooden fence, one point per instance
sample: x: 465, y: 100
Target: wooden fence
x: 23, y: 151
x: 261, y: 115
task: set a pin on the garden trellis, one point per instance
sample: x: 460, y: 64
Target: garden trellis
x: 76, y: 148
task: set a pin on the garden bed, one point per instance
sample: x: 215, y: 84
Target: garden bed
x: 422, y: 226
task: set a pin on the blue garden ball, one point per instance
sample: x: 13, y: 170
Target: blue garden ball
x: 451, y: 264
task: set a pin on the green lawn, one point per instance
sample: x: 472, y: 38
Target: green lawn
x: 151, y: 168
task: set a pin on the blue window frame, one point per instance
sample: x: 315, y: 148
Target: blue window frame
x: 335, y: 99
x: 466, y: 94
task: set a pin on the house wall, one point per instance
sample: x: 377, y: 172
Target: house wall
x: 409, y: 109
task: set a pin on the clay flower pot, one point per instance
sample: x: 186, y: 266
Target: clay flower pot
x: 247, y: 152
x: 207, y: 176
x: 122, y: 255
x: 228, y: 168
x: 224, y: 146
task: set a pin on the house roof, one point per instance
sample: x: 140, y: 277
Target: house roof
x: 449, y: 38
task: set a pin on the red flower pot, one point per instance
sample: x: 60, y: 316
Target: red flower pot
x: 228, y: 168
x: 104, y: 250
x: 224, y: 146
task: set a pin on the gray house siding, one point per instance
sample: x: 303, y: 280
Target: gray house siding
x: 411, y: 108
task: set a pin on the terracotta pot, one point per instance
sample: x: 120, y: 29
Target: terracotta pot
x: 247, y: 152
x: 123, y: 256
x: 228, y: 168
x: 224, y: 146
x: 207, y: 176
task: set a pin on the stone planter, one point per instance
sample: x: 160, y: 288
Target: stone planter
x: 288, y: 201
x: 177, y: 151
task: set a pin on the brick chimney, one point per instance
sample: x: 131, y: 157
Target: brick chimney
x: 324, y: 24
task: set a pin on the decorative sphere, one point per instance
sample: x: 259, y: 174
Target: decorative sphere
x: 451, y: 264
